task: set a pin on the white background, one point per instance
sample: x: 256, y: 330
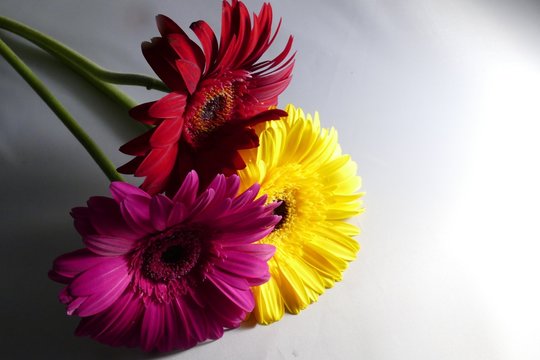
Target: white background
x: 437, y: 101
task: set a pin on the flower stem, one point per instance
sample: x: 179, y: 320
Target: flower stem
x: 78, y: 61
x: 97, y: 154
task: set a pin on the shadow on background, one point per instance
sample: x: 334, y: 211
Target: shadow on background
x: 36, y: 226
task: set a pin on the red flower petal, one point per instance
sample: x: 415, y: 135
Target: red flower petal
x: 170, y: 106
x: 161, y: 58
x: 159, y: 160
x: 186, y: 49
x: 166, y: 26
x: 191, y: 73
x: 140, y: 113
x: 208, y: 40
x: 131, y: 166
x: 167, y: 133
x: 138, y: 146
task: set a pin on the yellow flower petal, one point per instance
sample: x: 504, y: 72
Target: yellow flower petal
x: 293, y: 290
x: 269, y: 306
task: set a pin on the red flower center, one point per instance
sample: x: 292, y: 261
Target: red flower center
x: 171, y: 254
x: 211, y: 108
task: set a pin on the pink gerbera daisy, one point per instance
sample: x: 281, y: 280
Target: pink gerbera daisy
x: 217, y: 93
x: 166, y: 273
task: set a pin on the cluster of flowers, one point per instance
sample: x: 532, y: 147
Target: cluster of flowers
x: 243, y: 207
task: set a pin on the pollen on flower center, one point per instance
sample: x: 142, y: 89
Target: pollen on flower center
x: 171, y: 255
x: 212, y: 107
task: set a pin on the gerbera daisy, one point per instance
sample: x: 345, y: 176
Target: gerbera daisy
x: 218, y: 93
x: 166, y: 273
x: 301, y: 165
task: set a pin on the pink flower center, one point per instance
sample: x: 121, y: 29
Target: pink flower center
x: 171, y: 254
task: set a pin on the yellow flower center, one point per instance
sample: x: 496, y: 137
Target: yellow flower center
x: 302, y: 204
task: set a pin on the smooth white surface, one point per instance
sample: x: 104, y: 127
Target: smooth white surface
x: 437, y: 101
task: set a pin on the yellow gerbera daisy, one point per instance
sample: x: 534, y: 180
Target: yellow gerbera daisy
x: 301, y: 165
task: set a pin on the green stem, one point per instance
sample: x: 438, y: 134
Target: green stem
x: 99, y: 157
x: 110, y: 90
x: 78, y: 61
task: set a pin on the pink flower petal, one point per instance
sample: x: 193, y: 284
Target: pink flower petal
x: 244, y: 266
x: 262, y: 251
x: 246, y: 224
x: 106, y: 218
x: 240, y: 238
x: 74, y: 305
x: 100, y: 277
x: 233, y: 184
x: 201, y: 203
x: 221, y: 310
x: 121, y: 190
x: 242, y: 299
x: 108, y: 245
x: 136, y: 211
x: 118, y: 325
x: 152, y: 325
x: 189, y: 189
x: 81, y: 221
x: 218, y: 185
x: 213, y: 211
x: 194, y: 319
x: 71, y: 264
x: 100, y: 301
x: 177, y: 215
x: 247, y: 196
x: 160, y: 209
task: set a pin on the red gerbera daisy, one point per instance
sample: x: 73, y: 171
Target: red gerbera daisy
x: 218, y: 93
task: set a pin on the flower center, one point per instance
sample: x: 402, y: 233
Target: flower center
x: 283, y: 211
x: 211, y: 108
x: 171, y: 255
